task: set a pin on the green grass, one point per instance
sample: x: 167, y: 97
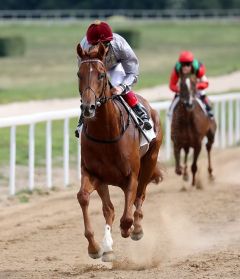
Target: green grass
x: 48, y: 69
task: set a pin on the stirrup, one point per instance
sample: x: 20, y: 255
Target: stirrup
x: 146, y: 124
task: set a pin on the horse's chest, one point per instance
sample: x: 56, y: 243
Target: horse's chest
x: 108, y: 164
x: 184, y: 132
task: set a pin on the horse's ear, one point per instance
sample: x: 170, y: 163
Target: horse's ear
x: 101, y: 51
x: 80, y: 51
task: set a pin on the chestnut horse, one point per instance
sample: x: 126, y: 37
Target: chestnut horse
x: 110, y: 153
x: 190, y: 125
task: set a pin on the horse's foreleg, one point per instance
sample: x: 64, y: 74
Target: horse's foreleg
x: 130, y: 195
x: 108, y: 212
x: 196, y: 152
x: 185, y: 172
x: 83, y: 197
x: 178, y: 168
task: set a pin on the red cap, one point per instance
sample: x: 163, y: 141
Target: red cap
x: 186, y: 56
x: 99, y: 31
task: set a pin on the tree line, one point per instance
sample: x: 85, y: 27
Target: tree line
x: 113, y: 4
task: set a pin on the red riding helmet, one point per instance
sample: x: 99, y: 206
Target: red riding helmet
x: 99, y: 31
x: 185, y: 57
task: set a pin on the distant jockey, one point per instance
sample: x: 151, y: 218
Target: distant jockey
x: 188, y: 65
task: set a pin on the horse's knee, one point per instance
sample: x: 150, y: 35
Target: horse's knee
x: 83, y: 198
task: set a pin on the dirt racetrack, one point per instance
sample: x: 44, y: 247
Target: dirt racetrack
x: 188, y: 234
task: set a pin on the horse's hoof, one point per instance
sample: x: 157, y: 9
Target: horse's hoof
x: 108, y: 256
x: 125, y: 233
x: 136, y: 236
x: 183, y: 189
x: 96, y: 255
x: 178, y: 171
x: 211, y: 177
x: 199, y: 185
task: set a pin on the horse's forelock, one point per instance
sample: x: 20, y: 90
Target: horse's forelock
x: 97, y: 52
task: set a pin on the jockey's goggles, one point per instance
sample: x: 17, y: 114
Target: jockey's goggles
x: 186, y: 64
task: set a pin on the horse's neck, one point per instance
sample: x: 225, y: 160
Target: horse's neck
x: 107, y: 120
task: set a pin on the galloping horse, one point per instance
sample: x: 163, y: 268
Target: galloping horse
x: 189, y: 126
x: 110, y: 153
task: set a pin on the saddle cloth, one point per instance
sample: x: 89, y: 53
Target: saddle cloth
x: 146, y: 136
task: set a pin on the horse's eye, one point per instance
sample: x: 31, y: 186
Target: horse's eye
x: 101, y: 75
x: 78, y: 74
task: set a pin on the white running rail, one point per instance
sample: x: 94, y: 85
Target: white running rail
x: 226, y: 110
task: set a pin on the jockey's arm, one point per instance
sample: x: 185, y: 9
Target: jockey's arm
x: 129, y: 61
x: 202, y: 79
x: 173, y: 84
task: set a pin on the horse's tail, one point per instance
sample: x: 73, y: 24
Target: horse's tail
x: 157, y: 175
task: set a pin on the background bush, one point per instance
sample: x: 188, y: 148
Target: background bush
x: 131, y: 36
x: 12, y: 46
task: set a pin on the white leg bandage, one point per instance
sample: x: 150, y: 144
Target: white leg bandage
x: 107, y: 239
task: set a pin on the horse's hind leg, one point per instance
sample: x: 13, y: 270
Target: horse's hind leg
x: 108, y: 212
x: 137, y: 232
x: 149, y: 171
x: 210, y: 137
x: 185, y: 172
x: 83, y: 196
x: 130, y: 195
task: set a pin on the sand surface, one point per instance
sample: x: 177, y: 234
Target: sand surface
x: 187, y: 234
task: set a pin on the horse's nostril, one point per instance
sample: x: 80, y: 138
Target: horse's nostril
x: 92, y: 107
x: 81, y: 107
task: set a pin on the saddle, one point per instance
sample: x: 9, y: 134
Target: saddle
x: 146, y: 136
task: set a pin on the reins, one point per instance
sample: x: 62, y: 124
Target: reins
x: 101, y: 100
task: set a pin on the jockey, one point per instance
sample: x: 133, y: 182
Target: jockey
x: 188, y: 65
x: 121, y: 64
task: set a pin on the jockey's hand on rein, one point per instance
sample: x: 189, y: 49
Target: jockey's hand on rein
x: 117, y: 90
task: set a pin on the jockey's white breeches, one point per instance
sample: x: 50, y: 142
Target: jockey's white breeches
x: 116, y: 75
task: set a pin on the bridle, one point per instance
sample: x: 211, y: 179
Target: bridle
x: 102, y: 99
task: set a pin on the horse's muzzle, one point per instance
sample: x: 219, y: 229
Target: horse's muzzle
x: 88, y: 111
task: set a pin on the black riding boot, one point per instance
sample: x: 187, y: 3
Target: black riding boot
x: 80, y: 122
x: 208, y: 107
x: 138, y: 109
